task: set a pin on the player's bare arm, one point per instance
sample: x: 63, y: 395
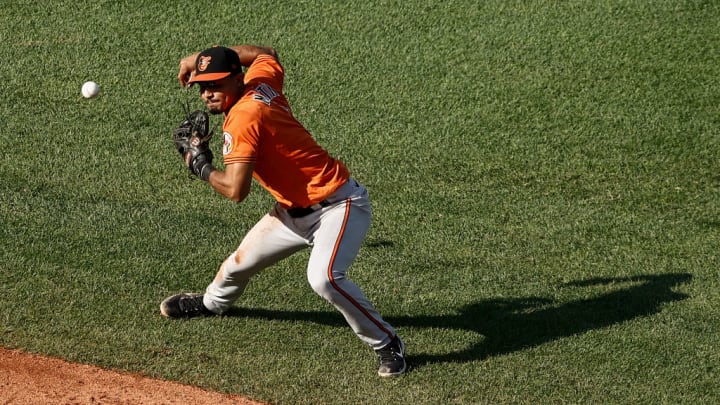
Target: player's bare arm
x: 234, y: 182
x: 248, y: 53
x: 187, y: 66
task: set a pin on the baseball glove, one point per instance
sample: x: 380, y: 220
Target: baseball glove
x: 192, y: 141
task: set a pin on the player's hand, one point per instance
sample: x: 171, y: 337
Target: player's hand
x: 192, y: 141
x: 187, y: 67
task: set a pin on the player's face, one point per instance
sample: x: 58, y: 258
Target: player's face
x: 220, y: 95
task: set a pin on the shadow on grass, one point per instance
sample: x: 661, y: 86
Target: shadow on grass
x: 509, y: 325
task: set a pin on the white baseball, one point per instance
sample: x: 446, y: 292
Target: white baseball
x: 90, y: 89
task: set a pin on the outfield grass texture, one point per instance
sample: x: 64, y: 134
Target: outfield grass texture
x: 544, y: 177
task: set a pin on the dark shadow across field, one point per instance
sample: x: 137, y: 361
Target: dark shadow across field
x: 511, y: 324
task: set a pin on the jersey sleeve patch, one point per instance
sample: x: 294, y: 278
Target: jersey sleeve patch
x: 227, y: 143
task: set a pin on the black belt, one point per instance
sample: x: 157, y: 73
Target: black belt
x: 300, y: 212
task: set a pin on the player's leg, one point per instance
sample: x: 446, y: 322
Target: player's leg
x: 336, y: 243
x: 268, y: 242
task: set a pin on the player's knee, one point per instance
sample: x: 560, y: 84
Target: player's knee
x: 322, y: 285
x: 238, y: 267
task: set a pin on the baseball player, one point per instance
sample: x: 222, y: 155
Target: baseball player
x: 319, y: 205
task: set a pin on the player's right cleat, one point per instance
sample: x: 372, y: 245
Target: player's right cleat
x: 391, y: 358
x: 184, y: 306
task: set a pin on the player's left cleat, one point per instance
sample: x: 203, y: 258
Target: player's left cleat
x: 184, y: 306
x: 391, y: 358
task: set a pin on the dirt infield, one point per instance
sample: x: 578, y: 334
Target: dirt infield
x: 33, y: 379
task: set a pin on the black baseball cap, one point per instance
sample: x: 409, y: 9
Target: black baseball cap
x: 215, y: 63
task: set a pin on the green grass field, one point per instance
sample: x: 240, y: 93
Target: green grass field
x: 544, y: 175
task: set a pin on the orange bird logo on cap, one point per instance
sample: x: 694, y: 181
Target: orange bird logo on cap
x: 204, y: 63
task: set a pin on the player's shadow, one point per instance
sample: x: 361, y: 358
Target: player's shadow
x: 508, y: 325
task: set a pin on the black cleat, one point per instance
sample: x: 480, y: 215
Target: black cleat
x: 391, y: 358
x: 184, y: 306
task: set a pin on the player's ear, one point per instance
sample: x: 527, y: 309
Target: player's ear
x: 240, y: 80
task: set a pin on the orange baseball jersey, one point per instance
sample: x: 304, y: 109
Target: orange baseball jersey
x: 261, y: 129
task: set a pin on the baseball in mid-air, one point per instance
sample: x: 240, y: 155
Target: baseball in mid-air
x: 90, y: 89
